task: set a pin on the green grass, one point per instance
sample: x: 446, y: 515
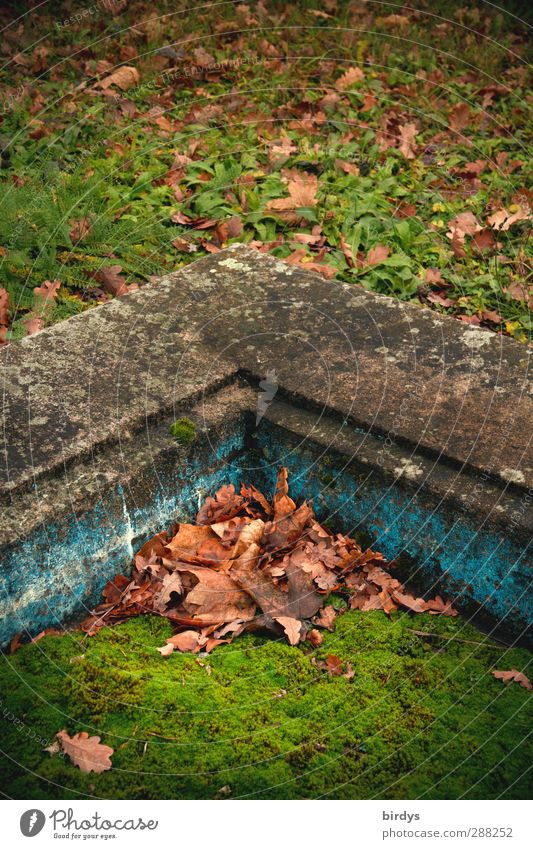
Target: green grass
x: 73, y: 153
x: 421, y: 718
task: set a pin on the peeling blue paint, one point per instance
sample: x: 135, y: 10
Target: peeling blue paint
x: 61, y: 569
x: 447, y: 553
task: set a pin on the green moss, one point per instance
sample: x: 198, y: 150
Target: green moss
x: 183, y: 431
x: 421, y: 716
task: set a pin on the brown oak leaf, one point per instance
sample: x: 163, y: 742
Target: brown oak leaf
x: 124, y: 78
x: 86, y: 752
x: 513, y: 675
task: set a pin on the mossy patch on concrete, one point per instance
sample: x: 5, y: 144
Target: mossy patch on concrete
x: 422, y: 716
x: 183, y: 430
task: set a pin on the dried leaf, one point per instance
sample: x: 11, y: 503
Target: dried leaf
x: 326, y: 617
x: 377, y: 255
x: 315, y: 637
x: 334, y: 664
x: 349, y: 78
x: 513, y: 675
x: 464, y: 224
x: 459, y: 117
x: 225, y: 505
x: 302, y: 188
x: 112, y: 281
x: 79, y: 229
x: 33, y: 324
x: 186, y: 641
x: 124, y: 78
x: 86, y: 752
x: 504, y: 219
x: 46, y: 294
x: 407, y: 140
x: 292, y: 628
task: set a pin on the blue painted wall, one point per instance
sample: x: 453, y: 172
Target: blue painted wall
x: 446, y: 553
x: 61, y: 569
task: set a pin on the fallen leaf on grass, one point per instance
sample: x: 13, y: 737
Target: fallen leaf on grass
x: 112, y: 281
x: 124, y: 78
x: 33, y: 324
x: 377, y: 255
x: 349, y: 78
x: 4, y: 315
x: 464, y: 224
x: 86, y: 752
x: 302, y: 188
x: 459, y: 117
x: 46, y: 294
x: 300, y: 258
x: 513, y: 675
x: 79, y: 230
x: 407, y: 140
x: 440, y: 299
x: 504, y: 219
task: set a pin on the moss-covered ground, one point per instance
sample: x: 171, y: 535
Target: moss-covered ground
x: 422, y: 717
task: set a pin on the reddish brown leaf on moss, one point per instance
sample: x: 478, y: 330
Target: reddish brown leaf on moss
x: 513, y: 675
x: 417, y: 605
x: 86, y: 752
x: 437, y: 605
x: 292, y: 628
x: 315, y: 637
x: 334, y: 664
x: 251, y: 571
x: 326, y: 617
x: 186, y: 641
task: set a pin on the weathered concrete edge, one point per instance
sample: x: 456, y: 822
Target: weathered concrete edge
x: 189, y: 281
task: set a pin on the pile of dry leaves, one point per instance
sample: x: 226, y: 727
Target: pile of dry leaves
x: 247, y: 565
